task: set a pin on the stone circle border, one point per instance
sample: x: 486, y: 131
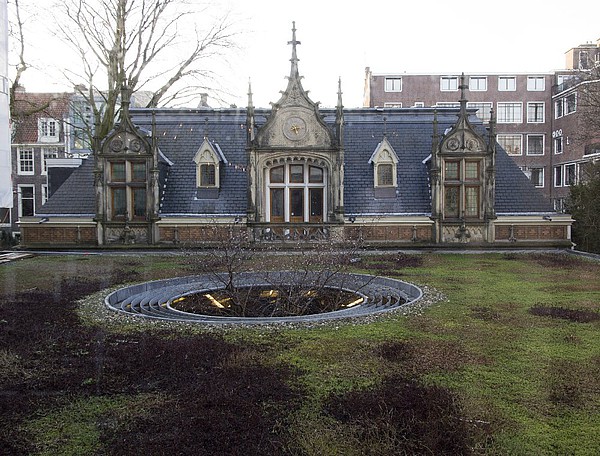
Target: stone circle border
x: 153, y: 300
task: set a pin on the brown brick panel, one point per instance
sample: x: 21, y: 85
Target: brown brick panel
x: 58, y: 235
x: 531, y: 232
x: 387, y: 233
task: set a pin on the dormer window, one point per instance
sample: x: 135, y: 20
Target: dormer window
x: 48, y: 130
x: 385, y: 161
x: 208, y: 161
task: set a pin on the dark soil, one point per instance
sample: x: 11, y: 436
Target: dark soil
x: 402, y: 416
x: 578, y: 316
x: 214, y: 406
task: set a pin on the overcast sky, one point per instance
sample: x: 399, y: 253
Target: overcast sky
x: 340, y: 38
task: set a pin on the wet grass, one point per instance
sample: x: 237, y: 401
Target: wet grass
x: 508, y: 364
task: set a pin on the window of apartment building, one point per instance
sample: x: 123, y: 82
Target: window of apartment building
x: 48, y: 130
x: 558, y: 176
x: 536, y: 83
x: 392, y: 105
x: 393, y: 84
x: 507, y: 83
x: 418, y: 104
x: 510, y: 112
x: 448, y: 83
x: 48, y: 152
x: 535, y: 144
x: 512, y: 144
x: 537, y: 176
x: 44, y: 194
x: 570, y: 175
x: 478, y: 83
x: 558, y: 145
x: 483, y: 110
x: 570, y: 103
x: 558, y: 108
x: 127, y: 184
x: 26, y: 200
x: 26, y: 163
x: 462, y: 188
x: 447, y: 104
x: 535, y: 112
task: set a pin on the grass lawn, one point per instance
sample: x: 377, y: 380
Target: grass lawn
x: 507, y: 363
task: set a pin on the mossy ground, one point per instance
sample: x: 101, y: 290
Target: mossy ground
x: 509, y: 363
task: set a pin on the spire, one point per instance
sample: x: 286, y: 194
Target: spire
x: 125, y: 101
x: 463, y: 98
x: 339, y: 115
x: 250, y: 115
x: 435, y: 139
x: 294, y: 59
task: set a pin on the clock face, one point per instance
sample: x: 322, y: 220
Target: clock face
x: 294, y: 128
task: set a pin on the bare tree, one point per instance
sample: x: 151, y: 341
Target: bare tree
x: 588, y: 104
x: 152, y: 45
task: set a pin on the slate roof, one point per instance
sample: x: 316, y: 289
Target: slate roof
x: 181, y: 132
x: 76, y: 196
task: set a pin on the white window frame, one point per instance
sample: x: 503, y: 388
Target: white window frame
x: 513, y: 118
x: 419, y: 104
x: 558, y: 108
x: 21, y: 161
x: 448, y: 83
x: 543, y: 143
x: 392, y: 84
x: 534, y: 85
x: 540, y: 183
x: 566, y: 181
x: 566, y: 106
x: 484, y: 106
x: 504, y: 83
x: 500, y: 137
x: 392, y: 104
x: 44, y: 193
x: 556, y: 141
x: 558, y: 176
x: 20, y: 188
x: 478, y: 84
x: 532, y: 119
x: 48, y: 130
x: 44, y: 154
x: 447, y: 104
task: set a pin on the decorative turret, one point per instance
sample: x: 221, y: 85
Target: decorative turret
x: 250, y: 121
x: 339, y: 116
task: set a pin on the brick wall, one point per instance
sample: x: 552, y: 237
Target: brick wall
x: 69, y: 235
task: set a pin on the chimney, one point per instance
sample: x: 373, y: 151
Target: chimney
x: 203, y: 101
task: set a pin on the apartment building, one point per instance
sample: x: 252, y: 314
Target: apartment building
x: 537, y: 124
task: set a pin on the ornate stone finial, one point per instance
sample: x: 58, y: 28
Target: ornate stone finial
x: 125, y: 101
x: 339, y: 102
x: 463, y: 99
x: 250, y: 103
x: 435, y: 136
x: 294, y: 43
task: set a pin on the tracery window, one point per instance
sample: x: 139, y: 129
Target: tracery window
x: 127, y: 190
x: 462, y: 188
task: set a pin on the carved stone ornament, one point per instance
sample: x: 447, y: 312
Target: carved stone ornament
x: 453, y: 144
x: 135, y: 145
x: 116, y: 144
x: 473, y: 144
x: 294, y: 128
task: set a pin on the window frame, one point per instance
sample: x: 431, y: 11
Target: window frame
x: 21, y: 171
x: 484, y: 106
x: 533, y: 135
x: 532, y: 83
x: 506, y: 136
x: 541, y: 178
x: 126, y: 185
x: 568, y: 179
x: 535, y: 118
x: 478, y: 87
x: 459, y: 185
x: 452, y: 83
x: 48, y: 130
x: 507, y: 87
x: 20, y: 199
x: 558, y: 178
x: 394, y: 81
x: 558, y: 146
x: 48, y: 153
x: 502, y: 112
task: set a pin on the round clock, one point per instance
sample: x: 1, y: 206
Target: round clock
x: 294, y: 128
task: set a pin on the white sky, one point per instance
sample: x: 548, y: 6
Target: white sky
x: 340, y: 38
